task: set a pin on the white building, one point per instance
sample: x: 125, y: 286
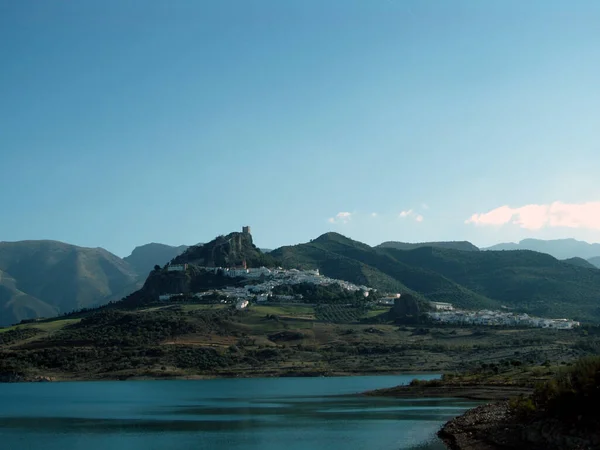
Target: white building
x: 498, y: 318
x: 388, y: 301
x: 233, y: 273
x: 177, y: 268
x: 441, y: 306
x: 242, y: 304
x: 258, y: 272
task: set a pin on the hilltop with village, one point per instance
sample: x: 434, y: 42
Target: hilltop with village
x: 329, y: 306
x: 263, y: 284
x: 243, y: 286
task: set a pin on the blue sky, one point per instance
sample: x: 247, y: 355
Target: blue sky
x: 126, y: 122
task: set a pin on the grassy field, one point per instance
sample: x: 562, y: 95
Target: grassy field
x: 201, y: 307
x: 48, y: 326
x: 270, y: 340
x: 286, y: 310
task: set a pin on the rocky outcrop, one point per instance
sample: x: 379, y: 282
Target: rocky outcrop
x: 163, y: 282
x: 407, y: 309
x: 226, y: 251
x: 494, y: 427
x: 42, y: 379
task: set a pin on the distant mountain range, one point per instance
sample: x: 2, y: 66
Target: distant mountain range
x: 559, y: 248
x: 580, y: 262
x: 144, y: 258
x: 46, y: 278
x: 455, y: 245
x: 595, y: 261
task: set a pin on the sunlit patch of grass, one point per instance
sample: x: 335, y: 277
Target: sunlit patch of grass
x: 14, y: 327
x: 54, y: 325
x: 192, y: 307
x: 285, y: 310
x: 376, y: 312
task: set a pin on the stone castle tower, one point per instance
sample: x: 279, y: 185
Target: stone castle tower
x: 246, y: 230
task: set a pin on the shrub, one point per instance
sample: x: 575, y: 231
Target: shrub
x: 522, y: 407
x: 574, y: 393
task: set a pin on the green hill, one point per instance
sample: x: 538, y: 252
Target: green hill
x: 455, y: 245
x: 580, y: 262
x: 383, y: 270
x: 523, y: 280
x: 43, y: 278
x: 595, y: 261
x: 529, y: 281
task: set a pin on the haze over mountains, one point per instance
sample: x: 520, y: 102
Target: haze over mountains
x: 145, y: 257
x: 455, y: 245
x: 47, y: 278
x: 559, y: 248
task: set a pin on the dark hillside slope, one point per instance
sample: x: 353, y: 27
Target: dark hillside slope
x: 226, y: 251
x: 527, y: 280
x: 580, y: 262
x: 16, y: 305
x: 455, y: 245
x: 382, y: 268
x: 330, y: 264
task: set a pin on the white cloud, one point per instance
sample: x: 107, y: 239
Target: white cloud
x: 409, y: 213
x: 536, y: 217
x: 341, y: 217
x: 374, y: 214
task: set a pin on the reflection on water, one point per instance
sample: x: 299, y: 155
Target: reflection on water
x: 230, y: 414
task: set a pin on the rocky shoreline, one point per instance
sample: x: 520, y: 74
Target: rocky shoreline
x: 16, y: 377
x: 466, y: 391
x: 494, y: 427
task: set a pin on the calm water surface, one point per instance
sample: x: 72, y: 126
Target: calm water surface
x: 249, y: 414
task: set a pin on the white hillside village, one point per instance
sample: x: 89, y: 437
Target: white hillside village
x: 263, y: 291
x: 445, y: 313
x: 263, y: 281
x: 271, y: 278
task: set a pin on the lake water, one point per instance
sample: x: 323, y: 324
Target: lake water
x: 249, y: 414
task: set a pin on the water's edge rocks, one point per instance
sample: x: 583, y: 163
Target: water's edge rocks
x: 466, y: 391
x: 16, y: 377
x: 494, y: 427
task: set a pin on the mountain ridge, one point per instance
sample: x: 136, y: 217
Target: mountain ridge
x: 559, y: 248
x: 45, y: 278
x: 456, y: 245
x: 143, y: 258
x: 595, y: 261
x: 527, y: 280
